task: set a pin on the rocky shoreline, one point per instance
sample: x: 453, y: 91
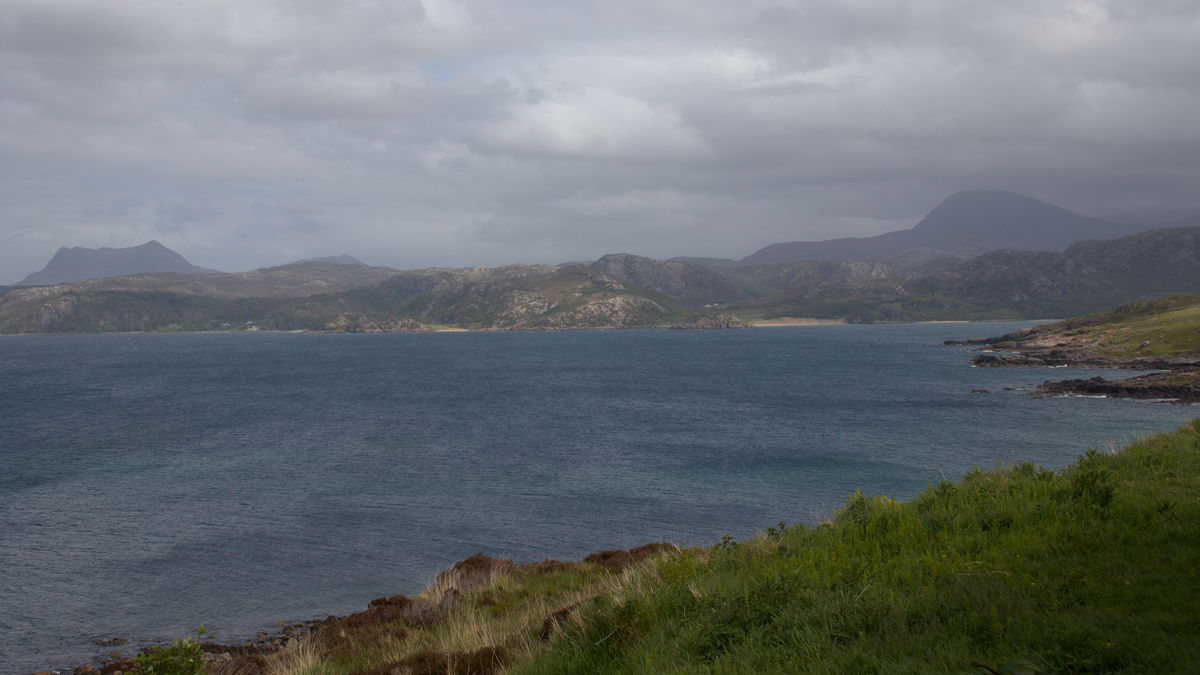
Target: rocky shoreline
x: 1179, y: 379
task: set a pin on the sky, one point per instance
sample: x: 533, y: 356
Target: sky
x: 451, y: 132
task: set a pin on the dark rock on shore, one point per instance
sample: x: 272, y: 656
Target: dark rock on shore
x: 1181, y: 385
x: 349, y: 322
x: 711, y: 322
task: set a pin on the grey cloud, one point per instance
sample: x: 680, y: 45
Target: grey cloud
x: 443, y: 132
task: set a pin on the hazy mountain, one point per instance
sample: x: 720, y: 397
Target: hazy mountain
x: 79, y: 264
x: 285, y: 281
x: 970, y: 222
x: 1088, y: 276
x: 334, y: 260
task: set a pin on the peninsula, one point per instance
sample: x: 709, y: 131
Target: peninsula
x: 1161, y: 335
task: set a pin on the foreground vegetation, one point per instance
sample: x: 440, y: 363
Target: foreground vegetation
x: 1011, y: 570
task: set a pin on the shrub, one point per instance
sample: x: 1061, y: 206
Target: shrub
x: 181, y: 657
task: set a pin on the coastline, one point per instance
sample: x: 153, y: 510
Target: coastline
x: 797, y: 321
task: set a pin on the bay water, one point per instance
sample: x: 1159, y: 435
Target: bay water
x: 151, y: 483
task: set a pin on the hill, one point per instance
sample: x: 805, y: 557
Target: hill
x: 334, y: 259
x: 1015, y: 570
x: 510, y: 297
x: 1088, y: 276
x: 79, y: 264
x: 689, y: 282
x: 1162, y: 334
x: 284, y: 281
x: 966, y: 223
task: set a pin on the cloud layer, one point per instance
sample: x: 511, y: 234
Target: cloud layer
x: 446, y: 133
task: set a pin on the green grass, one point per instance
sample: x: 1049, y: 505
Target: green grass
x: 1168, y: 326
x: 1089, y: 569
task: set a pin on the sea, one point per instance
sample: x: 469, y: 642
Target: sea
x: 151, y: 483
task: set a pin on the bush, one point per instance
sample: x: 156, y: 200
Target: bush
x: 181, y: 657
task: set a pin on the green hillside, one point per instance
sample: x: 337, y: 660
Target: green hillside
x: 1166, y: 326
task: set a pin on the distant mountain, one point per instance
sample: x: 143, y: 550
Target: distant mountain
x: 80, y: 264
x: 285, y: 281
x: 334, y: 260
x: 1088, y: 276
x: 966, y: 223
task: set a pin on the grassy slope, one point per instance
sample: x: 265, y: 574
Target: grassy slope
x: 1087, y: 569
x: 1091, y: 569
x: 1170, y: 325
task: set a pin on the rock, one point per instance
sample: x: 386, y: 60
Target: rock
x: 85, y: 669
x: 350, y: 322
x: 711, y: 322
x: 1179, y: 385
x: 109, y: 642
x: 980, y: 391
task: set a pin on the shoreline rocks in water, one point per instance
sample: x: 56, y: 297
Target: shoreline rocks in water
x: 1156, y: 335
x: 1183, y: 386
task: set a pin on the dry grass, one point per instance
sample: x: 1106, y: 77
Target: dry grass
x: 476, y: 617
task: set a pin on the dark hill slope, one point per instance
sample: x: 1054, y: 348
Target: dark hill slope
x: 691, y: 283
x: 285, y: 281
x: 965, y: 223
x: 1088, y: 277
x: 79, y: 264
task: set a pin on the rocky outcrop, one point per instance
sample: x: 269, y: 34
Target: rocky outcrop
x: 348, y: 322
x: 1109, y: 340
x: 1182, y: 386
x: 691, y: 283
x: 620, y: 311
x: 711, y: 322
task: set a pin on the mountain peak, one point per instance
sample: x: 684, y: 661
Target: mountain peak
x: 967, y: 222
x: 81, y: 264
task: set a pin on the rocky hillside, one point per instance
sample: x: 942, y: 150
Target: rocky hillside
x: 78, y: 264
x: 968, y: 222
x: 1162, y: 334
x: 511, y: 297
x: 688, y: 282
x: 1088, y: 277
x: 515, y: 297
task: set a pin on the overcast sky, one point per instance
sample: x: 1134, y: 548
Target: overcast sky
x: 445, y: 133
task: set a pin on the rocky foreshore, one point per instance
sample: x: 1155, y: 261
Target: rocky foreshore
x: 1074, y: 344
x: 1182, y: 386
